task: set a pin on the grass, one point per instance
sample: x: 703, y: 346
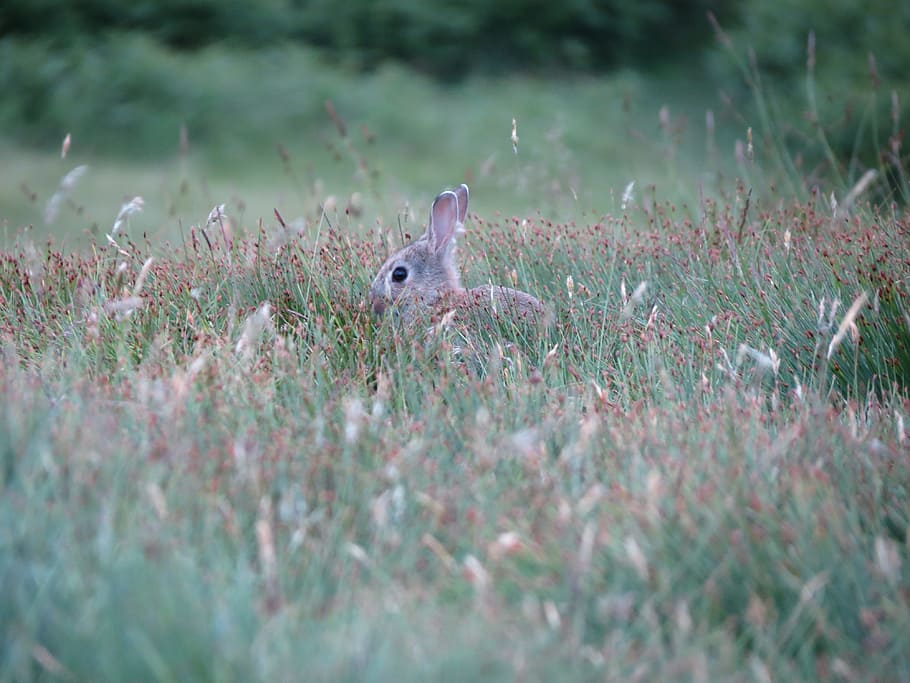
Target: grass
x: 582, y: 140
x: 216, y: 465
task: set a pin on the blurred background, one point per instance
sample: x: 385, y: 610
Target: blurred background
x: 367, y: 106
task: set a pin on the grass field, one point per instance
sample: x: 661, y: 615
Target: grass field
x: 581, y: 141
x: 217, y: 465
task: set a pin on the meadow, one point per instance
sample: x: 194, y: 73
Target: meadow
x: 218, y: 465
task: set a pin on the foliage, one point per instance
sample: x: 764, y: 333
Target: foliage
x: 124, y: 77
x: 853, y: 96
x: 778, y: 31
x: 441, y: 37
x: 127, y: 93
x: 176, y: 23
x: 445, y: 38
x: 216, y: 464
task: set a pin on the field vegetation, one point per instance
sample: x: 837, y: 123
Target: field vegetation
x: 217, y: 464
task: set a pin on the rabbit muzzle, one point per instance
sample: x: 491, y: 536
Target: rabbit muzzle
x: 378, y: 304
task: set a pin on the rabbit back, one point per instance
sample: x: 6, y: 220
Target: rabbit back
x: 491, y: 302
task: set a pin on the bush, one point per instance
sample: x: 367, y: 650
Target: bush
x: 777, y: 31
x: 447, y: 38
x: 843, y: 115
x: 444, y: 38
x: 127, y: 76
x: 126, y: 94
x: 181, y: 24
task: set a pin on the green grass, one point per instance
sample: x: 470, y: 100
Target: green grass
x: 582, y: 140
x: 188, y: 494
x: 705, y: 478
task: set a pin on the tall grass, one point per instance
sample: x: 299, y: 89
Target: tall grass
x: 841, y: 140
x: 228, y: 470
x: 216, y: 464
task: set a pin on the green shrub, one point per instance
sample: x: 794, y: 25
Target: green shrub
x: 838, y: 111
x: 177, y: 23
x: 127, y: 94
x: 444, y: 38
x: 447, y: 38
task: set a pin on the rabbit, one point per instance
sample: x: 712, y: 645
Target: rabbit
x: 422, y: 278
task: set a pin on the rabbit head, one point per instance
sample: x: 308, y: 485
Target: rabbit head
x: 416, y: 277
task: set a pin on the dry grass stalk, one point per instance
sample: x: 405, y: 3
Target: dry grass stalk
x: 52, y: 208
x: 637, y: 558
x: 133, y: 206
x: 861, y: 186
x: 51, y: 664
x: 143, y: 274
x: 122, y: 308
x: 769, y: 362
x: 253, y: 327
x: 476, y: 574
x: 631, y: 302
x: 265, y: 540
x: 628, y: 195
x: 439, y: 551
x: 888, y: 559
x: 551, y: 614
x: 848, y: 323
x: 157, y: 499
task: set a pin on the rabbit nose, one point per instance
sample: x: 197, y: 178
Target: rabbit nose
x: 378, y: 305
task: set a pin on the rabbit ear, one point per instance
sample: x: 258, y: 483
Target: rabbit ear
x: 461, y: 192
x: 443, y: 220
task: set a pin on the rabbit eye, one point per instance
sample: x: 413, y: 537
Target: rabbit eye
x: 400, y: 274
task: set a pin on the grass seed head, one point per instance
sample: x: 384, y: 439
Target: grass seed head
x: 253, y: 328
x: 637, y: 297
x: 133, y: 206
x: 123, y: 308
x: 143, y: 274
x: 551, y: 614
x: 52, y: 208
x: 354, y: 416
x: 847, y: 324
x: 506, y: 544
x: 476, y: 574
x: 217, y: 216
x: 156, y: 497
x: 628, y: 195
x: 769, y: 362
x: 636, y: 558
x: 888, y: 559
x: 683, y: 618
